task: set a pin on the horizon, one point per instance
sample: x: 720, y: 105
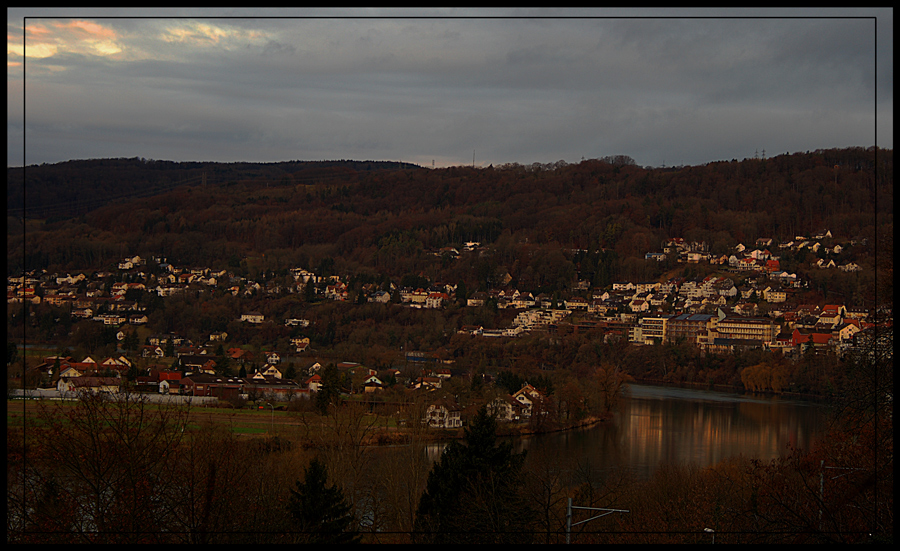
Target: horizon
x: 759, y: 154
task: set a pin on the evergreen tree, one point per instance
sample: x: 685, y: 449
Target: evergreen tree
x: 330, y: 391
x: 321, y: 512
x: 224, y: 365
x: 12, y: 352
x: 290, y: 372
x: 474, y: 493
x: 461, y: 293
x: 132, y: 373
x: 509, y: 381
x: 131, y: 342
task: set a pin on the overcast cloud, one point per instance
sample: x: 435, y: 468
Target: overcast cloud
x: 659, y: 87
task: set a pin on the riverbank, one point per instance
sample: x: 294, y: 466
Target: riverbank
x: 266, y: 423
x: 729, y: 389
x: 585, y: 423
x: 395, y: 436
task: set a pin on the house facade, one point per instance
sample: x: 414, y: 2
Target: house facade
x: 504, y: 408
x: 253, y: 317
x: 212, y: 385
x: 443, y: 414
x: 91, y: 385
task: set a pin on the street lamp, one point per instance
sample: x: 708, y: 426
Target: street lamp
x: 711, y: 531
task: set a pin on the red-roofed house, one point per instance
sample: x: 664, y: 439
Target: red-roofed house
x: 314, y: 383
x: 819, y: 340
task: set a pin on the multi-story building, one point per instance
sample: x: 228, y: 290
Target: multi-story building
x: 760, y: 330
x: 692, y: 328
x: 774, y: 295
x: 650, y: 330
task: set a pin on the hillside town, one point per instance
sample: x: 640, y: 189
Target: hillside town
x: 747, y: 302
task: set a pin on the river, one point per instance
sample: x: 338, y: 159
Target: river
x: 661, y: 425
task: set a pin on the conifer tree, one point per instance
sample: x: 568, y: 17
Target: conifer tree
x: 473, y: 494
x: 330, y: 391
x: 321, y: 512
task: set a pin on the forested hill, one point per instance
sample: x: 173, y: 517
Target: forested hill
x: 75, y: 187
x: 389, y: 218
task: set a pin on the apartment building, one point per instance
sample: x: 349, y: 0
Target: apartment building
x: 692, y: 328
x: 747, y: 329
x: 650, y: 330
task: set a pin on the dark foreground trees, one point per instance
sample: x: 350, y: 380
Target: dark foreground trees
x: 94, y: 472
x: 321, y: 512
x: 118, y: 469
x: 474, y: 494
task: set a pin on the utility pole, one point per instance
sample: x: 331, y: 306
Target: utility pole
x: 569, y: 523
x: 822, y: 468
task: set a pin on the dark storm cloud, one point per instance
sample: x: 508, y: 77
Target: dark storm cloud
x: 673, y: 90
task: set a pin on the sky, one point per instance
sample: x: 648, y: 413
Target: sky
x: 444, y: 87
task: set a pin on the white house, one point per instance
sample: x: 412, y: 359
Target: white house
x: 443, y: 414
x: 93, y: 385
x: 253, y: 317
x: 504, y: 408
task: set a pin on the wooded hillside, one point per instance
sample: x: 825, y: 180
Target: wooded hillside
x: 387, y: 217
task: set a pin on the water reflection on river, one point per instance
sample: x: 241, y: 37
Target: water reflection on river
x: 658, y: 425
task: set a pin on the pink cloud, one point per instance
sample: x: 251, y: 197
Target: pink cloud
x: 37, y: 30
x: 93, y: 30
